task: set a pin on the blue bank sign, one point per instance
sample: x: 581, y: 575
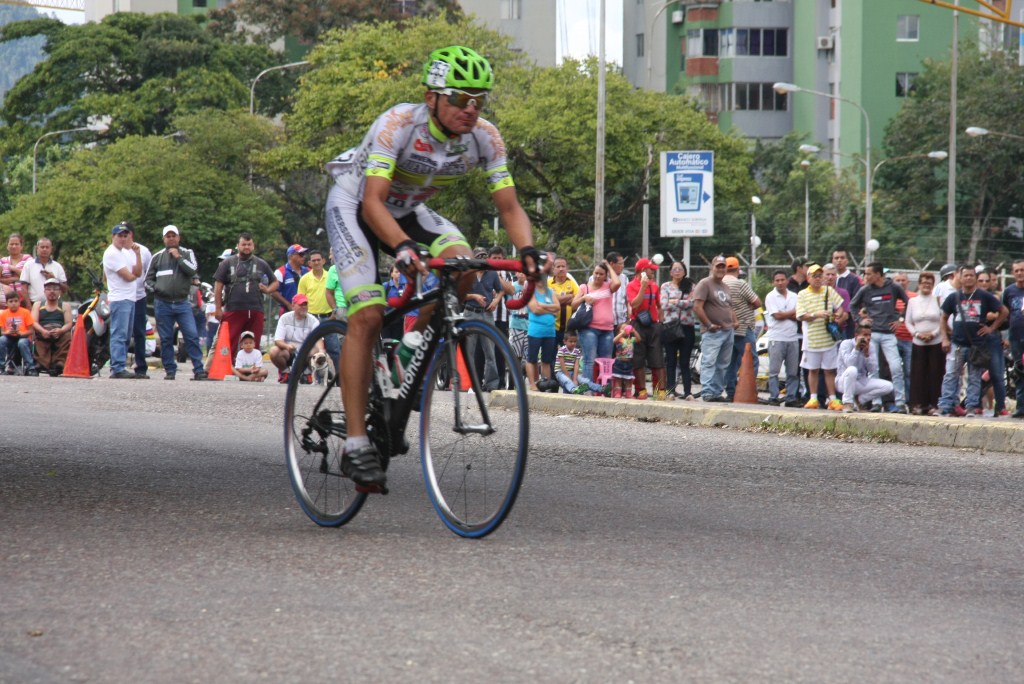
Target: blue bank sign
x: 687, y: 194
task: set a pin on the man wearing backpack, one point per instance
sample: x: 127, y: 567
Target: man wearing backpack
x: 241, y: 282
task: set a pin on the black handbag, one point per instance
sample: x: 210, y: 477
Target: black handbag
x: 671, y: 332
x: 980, y: 356
x: 644, y: 319
x: 581, y: 318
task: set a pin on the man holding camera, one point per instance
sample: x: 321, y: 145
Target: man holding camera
x: 857, y: 372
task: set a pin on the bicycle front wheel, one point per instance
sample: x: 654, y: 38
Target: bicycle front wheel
x: 314, y: 435
x: 473, y: 454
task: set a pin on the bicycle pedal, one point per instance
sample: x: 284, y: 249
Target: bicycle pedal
x: 372, y: 489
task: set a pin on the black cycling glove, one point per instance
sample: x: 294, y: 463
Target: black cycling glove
x: 531, y: 269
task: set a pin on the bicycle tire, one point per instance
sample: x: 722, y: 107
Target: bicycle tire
x: 314, y: 440
x: 473, y: 479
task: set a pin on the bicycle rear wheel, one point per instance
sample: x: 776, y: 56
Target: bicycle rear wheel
x: 473, y: 455
x: 314, y: 437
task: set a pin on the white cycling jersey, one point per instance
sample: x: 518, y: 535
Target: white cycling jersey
x: 404, y: 146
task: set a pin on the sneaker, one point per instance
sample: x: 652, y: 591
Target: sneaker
x: 306, y: 379
x: 898, y: 408
x: 282, y: 377
x: 362, y: 466
x: 33, y: 372
x: 974, y: 413
x: 141, y: 375
x: 812, y: 403
x: 774, y: 401
x: 849, y: 408
x: 1017, y: 414
x: 200, y: 375
x: 581, y: 389
x: 1002, y: 412
x: 9, y: 369
x: 793, y: 403
x: 959, y: 411
x: 122, y: 375
x: 169, y: 375
x: 641, y: 395
x: 616, y: 393
x: 835, y: 405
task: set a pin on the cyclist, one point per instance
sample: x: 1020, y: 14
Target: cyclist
x: 377, y: 203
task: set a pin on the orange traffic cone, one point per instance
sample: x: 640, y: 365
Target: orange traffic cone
x: 77, y: 364
x: 746, y: 382
x: 464, y: 382
x: 220, y: 359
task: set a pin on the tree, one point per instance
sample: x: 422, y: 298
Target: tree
x: 152, y: 181
x: 547, y: 117
x: 990, y: 186
x: 307, y: 20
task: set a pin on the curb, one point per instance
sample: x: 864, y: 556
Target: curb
x: 985, y: 434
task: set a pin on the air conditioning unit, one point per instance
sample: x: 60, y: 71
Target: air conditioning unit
x: 826, y: 42
x: 677, y: 16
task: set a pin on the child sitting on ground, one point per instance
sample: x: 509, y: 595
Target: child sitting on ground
x: 249, y: 360
x: 567, y: 365
x: 622, y: 368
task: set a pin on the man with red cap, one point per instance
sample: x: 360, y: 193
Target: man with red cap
x: 644, y: 297
x: 292, y: 329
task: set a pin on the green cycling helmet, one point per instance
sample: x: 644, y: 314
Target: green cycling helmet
x: 457, y: 67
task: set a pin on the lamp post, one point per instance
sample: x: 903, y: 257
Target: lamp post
x: 99, y: 127
x: 755, y: 241
x: 252, y: 88
x: 649, y: 49
x: 805, y: 164
x: 792, y: 88
x: 937, y: 155
x: 978, y: 131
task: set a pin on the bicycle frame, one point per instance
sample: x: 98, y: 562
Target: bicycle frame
x: 442, y: 323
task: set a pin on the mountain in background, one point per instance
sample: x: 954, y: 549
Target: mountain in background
x: 20, y: 56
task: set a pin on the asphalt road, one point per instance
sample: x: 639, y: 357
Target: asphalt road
x: 148, y: 533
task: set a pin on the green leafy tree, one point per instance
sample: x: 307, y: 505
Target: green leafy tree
x: 151, y: 181
x: 307, y: 20
x: 911, y: 195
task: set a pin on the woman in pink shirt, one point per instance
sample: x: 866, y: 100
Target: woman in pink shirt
x: 596, y: 339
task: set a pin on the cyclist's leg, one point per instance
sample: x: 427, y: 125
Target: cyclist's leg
x: 355, y: 256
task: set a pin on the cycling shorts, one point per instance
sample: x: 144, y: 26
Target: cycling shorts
x: 356, y: 246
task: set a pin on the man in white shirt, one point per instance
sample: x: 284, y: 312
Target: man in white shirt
x: 140, y: 321
x: 292, y: 330
x: 40, y: 269
x: 783, y: 341
x: 122, y: 267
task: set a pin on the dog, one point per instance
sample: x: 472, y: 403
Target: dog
x: 321, y: 366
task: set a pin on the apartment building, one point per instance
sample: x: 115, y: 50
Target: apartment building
x: 530, y: 23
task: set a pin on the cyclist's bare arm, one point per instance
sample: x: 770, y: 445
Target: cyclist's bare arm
x: 377, y: 216
x: 513, y: 217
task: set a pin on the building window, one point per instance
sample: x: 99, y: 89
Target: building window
x: 702, y: 43
x: 639, y: 45
x: 751, y: 97
x: 905, y: 83
x: 199, y: 3
x: 511, y: 9
x: 907, y: 27
x: 753, y: 42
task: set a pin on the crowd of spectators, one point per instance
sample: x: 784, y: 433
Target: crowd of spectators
x: 836, y: 340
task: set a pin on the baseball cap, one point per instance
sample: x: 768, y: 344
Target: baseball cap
x: 946, y: 271
x: 813, y: 268
x: 480, y: 253
x: 645, y: 264
x: 300, y: 299
x: 798, y: 262
x: 226, y: 253
x: 171, y: 229
x: 732, y: 262
x: 296, y: 248
x: 51, y: 281
x: 718, y: 260
x: 246, y: 333
x: 120, y: 228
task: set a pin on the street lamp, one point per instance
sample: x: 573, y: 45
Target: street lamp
x: 755, y: 241
x: 792, y: 88
x: 649, y: 49
x: 978, y: 131
x: 937, y: 155
x: 805, y: 164
x: 98, y: 127
x: 252, y: 88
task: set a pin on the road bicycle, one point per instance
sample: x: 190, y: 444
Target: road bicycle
x: 473, y: 455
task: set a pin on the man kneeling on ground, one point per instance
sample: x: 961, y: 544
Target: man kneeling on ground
x: 292, y: 329
x: 856, y: 366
